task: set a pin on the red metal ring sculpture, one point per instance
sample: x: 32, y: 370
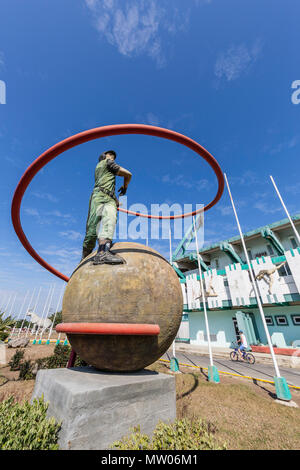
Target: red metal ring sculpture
x: 140, y: 329
x: 91, y: 134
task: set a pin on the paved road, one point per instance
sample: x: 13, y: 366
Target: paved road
x: 259, y: 371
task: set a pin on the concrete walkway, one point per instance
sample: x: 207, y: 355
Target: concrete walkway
x: 259, y: 371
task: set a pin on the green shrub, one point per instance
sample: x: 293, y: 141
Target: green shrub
x: 15, y: 361
x: 5, y: 326
x: 183, y: 434
x: 26, y: 369
x: 59, y: 358
x: 26, y: 427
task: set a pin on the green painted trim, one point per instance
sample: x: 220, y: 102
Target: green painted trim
x: 213, y: 374
x: 221, y: 272
x: 282, y: 389
x: 230, y: 252
x: 174, y: 364
x: 186, y: 240
x: 295, y: 217
x: 177, y: 270
x: 292, y: 297
x: 267, y: 233
x: 182, y: 340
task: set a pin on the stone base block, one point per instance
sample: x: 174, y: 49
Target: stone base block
x: 97, y: 408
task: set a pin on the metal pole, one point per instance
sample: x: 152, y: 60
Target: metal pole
x: 26, y: 312
x: 45, y: 306
x: 59, y: 300
x: 46, y: 315
x: 34, y: 309
x: 20, y: 313
x: 286, y: 211
x: 171, y: 263
x: 7, y: 304
x: 254, y: 284
x: 3, y: 305
x: 203, y: 296
x: 11, y: 307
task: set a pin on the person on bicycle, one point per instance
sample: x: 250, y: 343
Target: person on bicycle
x: 243, y: 344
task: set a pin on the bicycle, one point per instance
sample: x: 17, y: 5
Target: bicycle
x: 248, y: 357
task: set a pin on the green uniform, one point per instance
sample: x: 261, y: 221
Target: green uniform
x: 102, y: 207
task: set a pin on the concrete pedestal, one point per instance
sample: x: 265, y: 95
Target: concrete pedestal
x: 97, y: 408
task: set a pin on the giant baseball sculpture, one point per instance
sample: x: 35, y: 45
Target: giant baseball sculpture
x: 124, y: 317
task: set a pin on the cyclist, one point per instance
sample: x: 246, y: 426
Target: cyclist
x: 243, y: 344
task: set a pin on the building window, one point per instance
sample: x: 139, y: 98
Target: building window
x: 296, y: 319
x: 260, y: 254
x: 281, y: 320
x: 217, y: 263
x: 284, y: 270
x: 293, y: 242
x: 269, y: 320
x: 250, y: 254
x: 270, y: 250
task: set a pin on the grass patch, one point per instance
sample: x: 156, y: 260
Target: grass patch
x: 244, y: 414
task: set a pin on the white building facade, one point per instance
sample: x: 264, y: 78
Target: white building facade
x: 230, y: 298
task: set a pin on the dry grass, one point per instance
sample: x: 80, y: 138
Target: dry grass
x: 244, y: 414
x: 21, y: 390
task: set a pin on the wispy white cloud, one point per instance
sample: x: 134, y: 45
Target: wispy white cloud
x: 71, y: 235
x: 248, y: 178
x: 135, y: 26
x: 293, y: 188
x: 32, y: 211
x: 237, y: 60
x: 13, y: 161
x: 266, y: 208
x: 63, y: 253
x: 47, y: 196
x: 181, y: 180
x: 45, y: 217
x: 280, y: 147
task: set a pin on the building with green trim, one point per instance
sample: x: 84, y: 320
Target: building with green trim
x: 275, y: 259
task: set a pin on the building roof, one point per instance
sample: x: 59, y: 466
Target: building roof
x: 252, y: 233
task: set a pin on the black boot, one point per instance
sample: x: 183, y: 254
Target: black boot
x: 104, y: 255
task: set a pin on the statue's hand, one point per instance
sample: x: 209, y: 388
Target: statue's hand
x: 122, y: 190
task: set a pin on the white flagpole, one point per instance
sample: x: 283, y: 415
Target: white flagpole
x: 11, y: 307
x: 34, y: 309
x: 20, y: 313
x: 26, y: 312
x: 48, y: 310
x: 44, y: 312
x: 286, y: 211
x: 171, y: 263
x: 203, y: 296
x: 7, y: 304
x: 254, y: 284
x: 59, y: 300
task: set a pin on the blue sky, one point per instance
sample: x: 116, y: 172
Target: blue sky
x: 219, y: 72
